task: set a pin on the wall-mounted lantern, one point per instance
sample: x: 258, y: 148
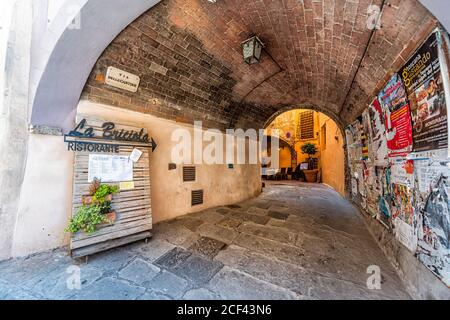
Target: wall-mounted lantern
x: 251, y: 50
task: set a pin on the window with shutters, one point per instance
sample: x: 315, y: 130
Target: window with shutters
x: 305, y: 128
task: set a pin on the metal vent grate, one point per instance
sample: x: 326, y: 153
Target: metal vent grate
x: 197, y: 197
x: 188, y: 173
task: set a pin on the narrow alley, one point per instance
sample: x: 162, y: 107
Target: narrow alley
x: 294, y: 241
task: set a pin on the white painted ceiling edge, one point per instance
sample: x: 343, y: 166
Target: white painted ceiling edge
x: 440, y: 9
x: 76, y: 52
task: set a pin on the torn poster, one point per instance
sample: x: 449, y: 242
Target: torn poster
x: 402, y: 172
x: 433, y: 248
x: 378, y: 134
x: 366, y: 144
x: 385, y: 200
x: 373, y: 190
x: 429, y: 172
x: 403, y: 218
x: 353, y: 136
x: 397, y: 117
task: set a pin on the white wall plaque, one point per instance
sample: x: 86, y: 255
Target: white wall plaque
x: 122, y: 79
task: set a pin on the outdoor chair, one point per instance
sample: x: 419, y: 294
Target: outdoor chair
x: 289, y: 174
x: 281, y: 175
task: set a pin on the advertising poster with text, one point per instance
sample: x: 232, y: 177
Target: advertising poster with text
x: 397, y: 117
x: 424, y: 85
x: 378, y: 134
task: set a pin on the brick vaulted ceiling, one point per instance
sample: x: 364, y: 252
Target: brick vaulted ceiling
x: 319, y: 53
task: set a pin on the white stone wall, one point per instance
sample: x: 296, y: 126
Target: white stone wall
x: 15, y: 62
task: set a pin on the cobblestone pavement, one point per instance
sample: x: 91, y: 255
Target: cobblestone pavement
x: 294, y: 241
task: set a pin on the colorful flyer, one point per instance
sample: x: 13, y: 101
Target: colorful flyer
x: 397, y: 117
x: 425, y: 87
x: 378, y: 134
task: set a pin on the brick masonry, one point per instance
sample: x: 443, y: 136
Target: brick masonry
x: 319, y: 54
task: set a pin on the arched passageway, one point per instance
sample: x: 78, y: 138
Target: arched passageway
x: 323, y: 55
x: 303, y: 128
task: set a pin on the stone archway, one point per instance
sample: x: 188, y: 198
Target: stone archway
x: 339, y: 173
x: 63, y: 73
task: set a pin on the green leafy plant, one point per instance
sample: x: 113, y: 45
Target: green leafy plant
x: 102, y: 192
x: 86, y: 219
x: 309, y: 149
x: 105, y: 207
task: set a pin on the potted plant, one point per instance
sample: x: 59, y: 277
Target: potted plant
x: 96, y: 209
x: 99, y: 193
x: 87, y: 219
x: 105, y: 209
x: 310, y: 149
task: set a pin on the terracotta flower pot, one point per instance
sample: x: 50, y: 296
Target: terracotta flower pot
x: 86, y: 200
x: 111, y: 216
x: 310, y: 175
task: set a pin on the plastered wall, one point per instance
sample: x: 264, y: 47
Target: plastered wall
x: 332, y: 155
x: 45, y: 202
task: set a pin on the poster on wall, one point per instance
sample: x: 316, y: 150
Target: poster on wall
x: 110, y: 168
x: 433, y: 203
x: 365, y: 135
x: 403, y: 217
x: 378, y: 134
x: 402, y: 172
x: 428, y: 173
x: 385, y: 198
x: 373, y: 190
x: 423, y: 80
x: 397, y: 117
x: 353, y: 135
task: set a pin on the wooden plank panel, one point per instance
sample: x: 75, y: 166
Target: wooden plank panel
x: 88, y: 250
x: 133, y: 207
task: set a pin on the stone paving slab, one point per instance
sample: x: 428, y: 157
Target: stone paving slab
x: 57, y: 285
x: 197, y: 269
x: 139, y: 272
x: 169, y: 284
x: 173, y: 258
x: 229, y: 223
x: 207, y: 247
x: 109, y: 289
x: 278, y: 215
x: 299, y: 241
x: 250, y: 217
x: 279, y: 250
x: 236, y: 285
x: 200, y: 294
x: 268, y: 232
x: 217, y: 232
x: 154, y: 249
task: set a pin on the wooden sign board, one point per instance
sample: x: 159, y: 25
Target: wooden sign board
x: 132, y: 206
